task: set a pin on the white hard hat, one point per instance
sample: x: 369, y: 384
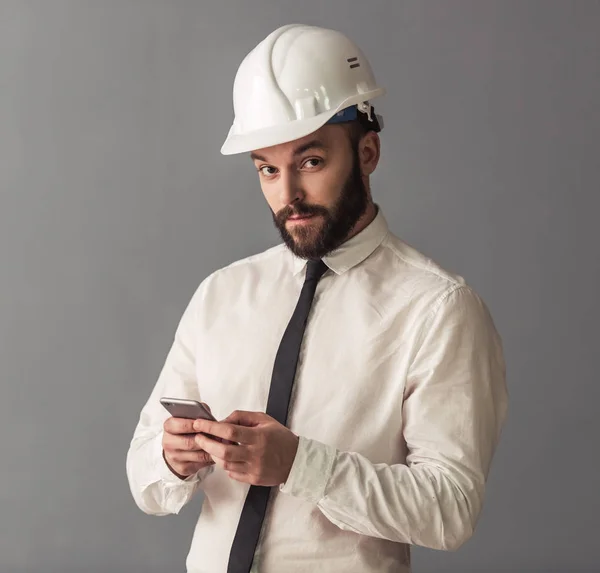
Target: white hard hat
x: 294, y: 82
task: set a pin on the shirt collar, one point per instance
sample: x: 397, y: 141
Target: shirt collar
x: 354, y: 250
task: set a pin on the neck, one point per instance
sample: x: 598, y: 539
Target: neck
x: 364, y: 221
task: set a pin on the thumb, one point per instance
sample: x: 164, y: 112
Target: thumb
x: 244, y: 418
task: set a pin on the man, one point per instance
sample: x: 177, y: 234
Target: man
x: 370, y: 422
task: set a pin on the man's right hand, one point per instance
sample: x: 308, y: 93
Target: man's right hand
x: 180, y: 451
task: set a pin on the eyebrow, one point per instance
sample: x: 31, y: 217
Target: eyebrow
x: 314, y: 144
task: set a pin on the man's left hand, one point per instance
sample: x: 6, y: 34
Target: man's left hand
x: 263, y: 452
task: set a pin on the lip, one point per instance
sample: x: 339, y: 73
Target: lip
x: 300, y: 218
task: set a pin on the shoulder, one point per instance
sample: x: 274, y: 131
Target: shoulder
x: 415, y: 274
x: 226, y: 283
x: 414, y: 263
x: 431, y: 288
x: 263, y: 265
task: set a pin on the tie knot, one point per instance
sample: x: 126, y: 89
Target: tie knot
x: 315, y: 269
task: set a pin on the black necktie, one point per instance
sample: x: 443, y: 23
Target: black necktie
x: 284, y: 371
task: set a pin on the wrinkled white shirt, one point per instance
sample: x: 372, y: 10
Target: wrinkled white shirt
x: 399, y: 400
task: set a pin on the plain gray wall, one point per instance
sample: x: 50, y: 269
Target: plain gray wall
x: 116, y: 203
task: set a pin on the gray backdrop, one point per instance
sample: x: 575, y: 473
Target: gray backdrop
x: 116, y: 203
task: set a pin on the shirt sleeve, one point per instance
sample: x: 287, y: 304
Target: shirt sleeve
x: 155, y: 488
x: 455, y: 404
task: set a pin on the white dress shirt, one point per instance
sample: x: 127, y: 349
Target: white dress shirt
x: 399, y: 400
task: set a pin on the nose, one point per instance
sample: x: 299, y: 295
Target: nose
x: 290, y: 190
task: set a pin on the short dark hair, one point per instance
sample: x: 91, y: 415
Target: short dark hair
x: 360, y: 126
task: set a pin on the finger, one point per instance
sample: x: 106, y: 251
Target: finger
x: 185, y: 442
x: 178, y: 426
x: 185, y: 456
x: 186, y: 469
x: 222, y: 451
x: 245, y: 418
x: 230, y: 432
x: 240, y: 467
x: 240, y: 476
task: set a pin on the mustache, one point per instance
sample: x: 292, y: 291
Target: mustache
x: 300, y: 209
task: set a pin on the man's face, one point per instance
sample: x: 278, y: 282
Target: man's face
x: 315, y: 190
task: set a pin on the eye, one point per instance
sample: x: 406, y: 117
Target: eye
x: 267, y: 171
x: 313, y: 163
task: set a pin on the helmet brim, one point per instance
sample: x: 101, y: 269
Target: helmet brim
x: 276, y: 135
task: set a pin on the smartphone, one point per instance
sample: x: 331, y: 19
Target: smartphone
x: 190, y: 409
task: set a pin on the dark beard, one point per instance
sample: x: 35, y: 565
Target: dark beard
x: 338, y: 221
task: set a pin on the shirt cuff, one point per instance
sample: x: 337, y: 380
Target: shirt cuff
x: 311, y: 470
x: 165, y: 472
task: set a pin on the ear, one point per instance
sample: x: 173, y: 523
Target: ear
x: 369, y: 150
